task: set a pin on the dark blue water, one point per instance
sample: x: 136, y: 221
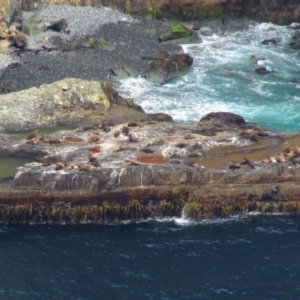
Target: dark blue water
x: 251, y: 258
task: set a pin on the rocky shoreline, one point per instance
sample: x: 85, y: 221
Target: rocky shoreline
x: 117, y: 41
x: 148, y: 168
x: 121, y: 163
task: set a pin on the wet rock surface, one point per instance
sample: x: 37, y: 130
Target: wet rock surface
x: 121, y: 163
x: 150, y: 164
x: 163, y: 70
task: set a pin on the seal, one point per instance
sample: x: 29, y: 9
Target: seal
x: 93, y: 138
x: 104, y: 126
x: 275, y: 189
x: 117, y: 133
x: 128, y: 162
x: 248, y: 162
x: 125, y: 130
x: 86, y: 168
x: 33, y: 141
x: 85, y: 128
x: 132, y: 138
x: 92, y: 158
x: 32, y: 135
x: 59, y: 166
x: 134, y: 124
x: 52, y: 141
x: 181, y: 145
x: 233, y: 165
x: 147, y: 150
x: 188, y: 136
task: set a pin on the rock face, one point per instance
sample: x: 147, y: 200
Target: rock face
x: 65, y: 102
x: 179, y: 33
x: 279, y: 11
x: 32, y: 23
x: 165, y: 69
x: 150, y: 169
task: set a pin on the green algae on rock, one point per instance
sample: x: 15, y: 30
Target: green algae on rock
x: 179, y: 33
x: 68, y: 101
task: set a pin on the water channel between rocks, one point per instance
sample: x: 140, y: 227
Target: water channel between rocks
x: 10, y: 164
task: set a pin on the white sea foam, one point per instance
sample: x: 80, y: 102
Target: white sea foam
x: 223, y: 78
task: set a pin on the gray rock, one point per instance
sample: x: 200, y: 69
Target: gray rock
x: 59, y: 25
x: 32, y: 23
x: 122, y: 72
x: 223, y: 118
x: 163, y: 70
x: 178, y: 33
x: 63, y: 102
x: 161, y: 117
x: 206, y: 31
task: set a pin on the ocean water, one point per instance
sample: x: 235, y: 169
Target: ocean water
x: 250, y: 257
x: 253, y: 257
x: 223, y: 78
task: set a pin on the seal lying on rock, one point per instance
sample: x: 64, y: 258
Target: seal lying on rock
x: 32, y: 135
x: 85, y: 128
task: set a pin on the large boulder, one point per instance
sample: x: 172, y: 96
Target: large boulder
x: 32, y: 23
x: 162, y: 70
x: 223, y: 118
x: 65, y: 102
x: 222, y: 121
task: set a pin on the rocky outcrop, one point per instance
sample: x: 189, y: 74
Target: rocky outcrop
x: 279, y: 11
x: 138, y: 170
x: 179, y: 33
x: 32, y: 23
x: 162, y: 70
x: 64, y: 102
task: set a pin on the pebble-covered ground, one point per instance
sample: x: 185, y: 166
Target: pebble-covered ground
x: 132, y: 37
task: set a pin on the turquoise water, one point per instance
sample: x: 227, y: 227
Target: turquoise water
x: 223, y: 78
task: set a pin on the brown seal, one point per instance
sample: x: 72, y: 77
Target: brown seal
x: 59, y: 166
x: 92, y: 158
x: 86, y: 168
x: 128, y: 162
x: 147, y: 150
x: 134, y: 124
x: 117, y: 133
x: 132, y: 138
x: 125, y: 130
x: 181, y: 145
x: 52, y: 141
x: 233, y: 165
x: 85, y: 128
x: 32, y: 135
x: 93, y: 138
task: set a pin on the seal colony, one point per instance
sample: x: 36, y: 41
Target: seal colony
x: 109, y: 170
x: 166, y: 170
